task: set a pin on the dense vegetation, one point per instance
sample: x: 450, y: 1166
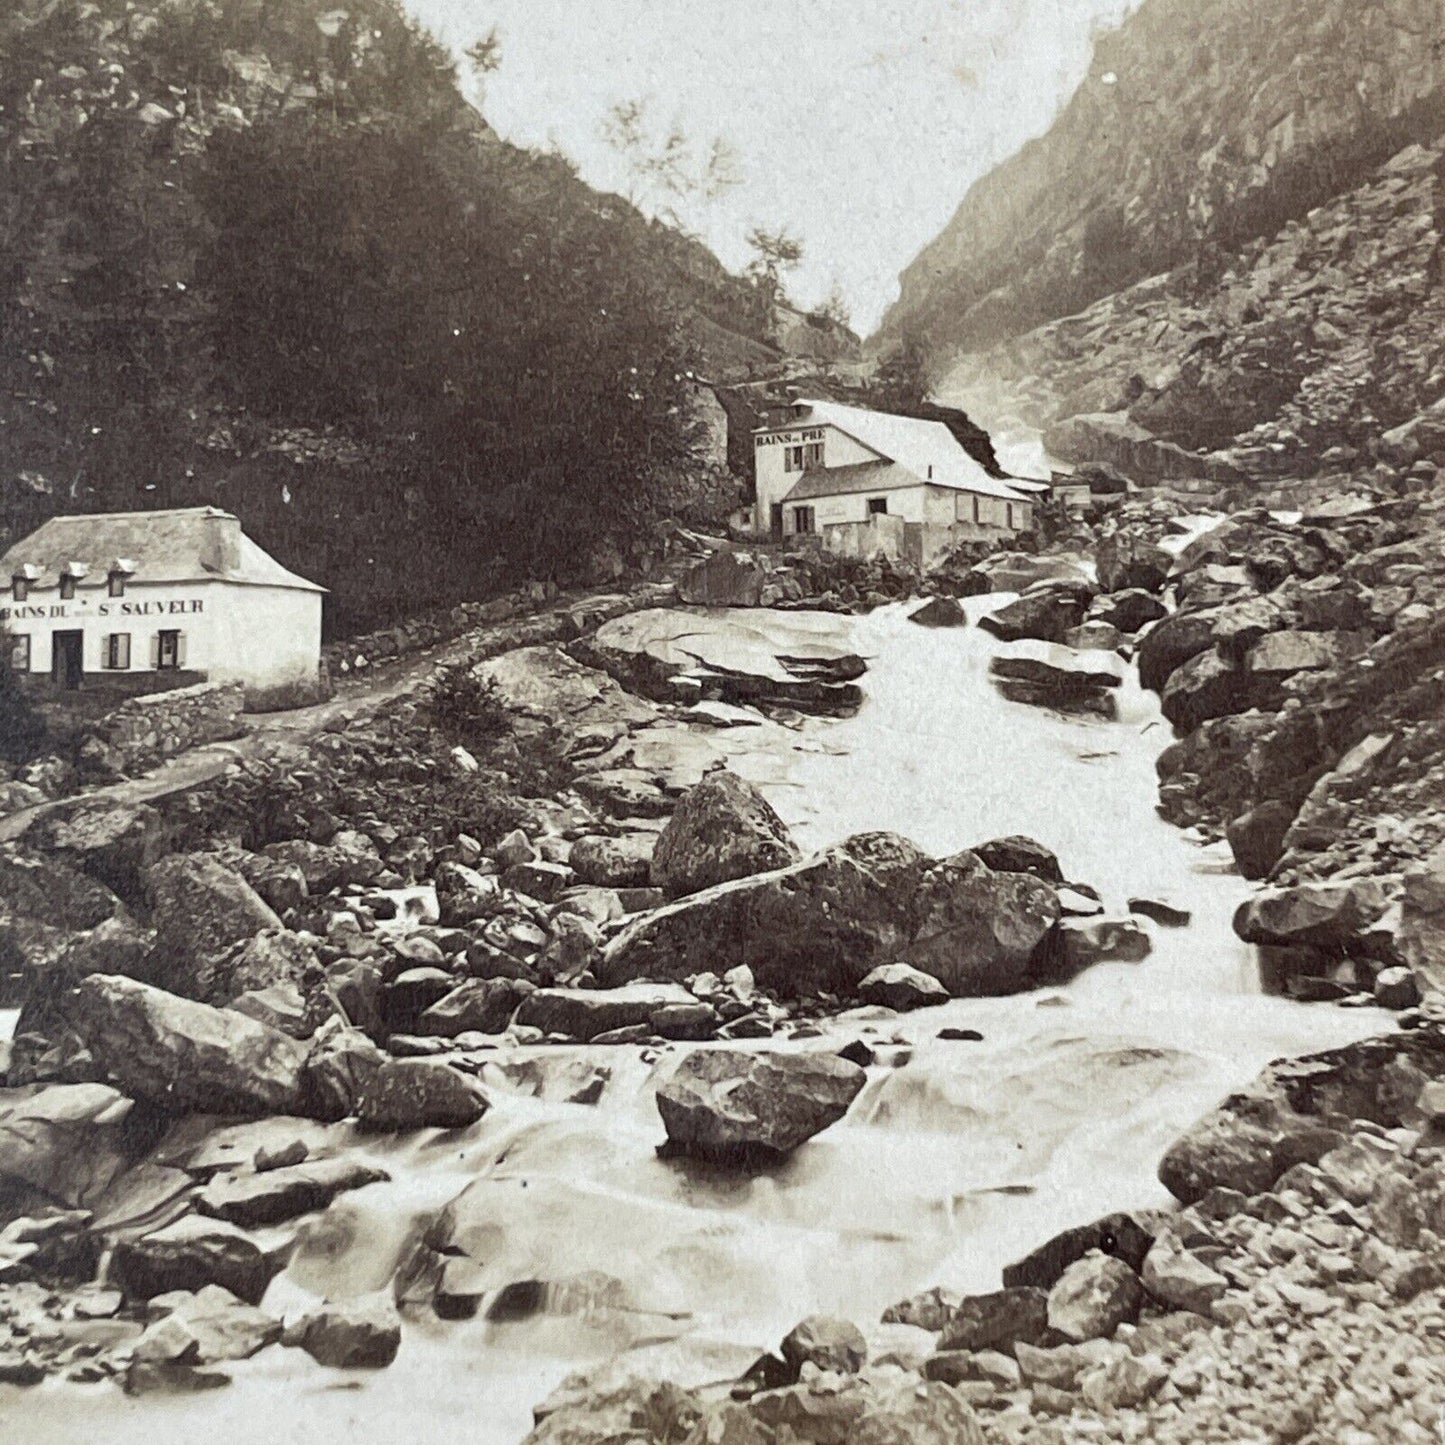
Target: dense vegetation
x: 260, y: 253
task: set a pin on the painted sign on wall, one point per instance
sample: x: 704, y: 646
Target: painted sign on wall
x: 48, y: 611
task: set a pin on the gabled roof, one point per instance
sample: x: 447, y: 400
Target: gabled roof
x: 846, y: 481
x: 926, y: 448
x: 191, y: 544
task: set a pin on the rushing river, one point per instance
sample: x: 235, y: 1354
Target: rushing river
x: 945, y: 1169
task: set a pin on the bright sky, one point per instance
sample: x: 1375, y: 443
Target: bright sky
x: 857, y: 124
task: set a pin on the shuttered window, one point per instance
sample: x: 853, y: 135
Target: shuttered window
x: 20, y: 652
x: 169, y: 650
x: 117, y: 651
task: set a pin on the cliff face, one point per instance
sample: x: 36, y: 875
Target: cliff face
x: 1202, y: 124
x: 1302, y: 354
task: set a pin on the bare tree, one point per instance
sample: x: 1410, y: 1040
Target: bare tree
x: 774, y: 252
x: 667, y: 167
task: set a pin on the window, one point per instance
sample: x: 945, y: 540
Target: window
x: 977, y: 510
x: 116, y: 584
x: 20, y: 652
x: 168, y: 650
x: 67, y: 587
x: 877, y: 506
x: 1009, y: 509
x: 19, y: 587
x: 117, y: 651
x: 800, y: 458
x: 803, y: 521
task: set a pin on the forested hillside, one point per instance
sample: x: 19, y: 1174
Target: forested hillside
x: 264, y: 255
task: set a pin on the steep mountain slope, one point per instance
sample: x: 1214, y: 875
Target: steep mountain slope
x: 266, y: 256
x: 1202, y: 125
x: 1305, y: 353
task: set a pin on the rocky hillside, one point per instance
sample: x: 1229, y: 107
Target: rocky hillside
x: 1304, y: 353
x: 1200, y: 126
x: 268, y: 257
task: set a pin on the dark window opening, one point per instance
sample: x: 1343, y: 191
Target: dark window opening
x: 117, y: 584
x: 67, y: 588
x: 803, y: 520
x: 877, y: 506
x: 168, y: 650
x: 19, y: 588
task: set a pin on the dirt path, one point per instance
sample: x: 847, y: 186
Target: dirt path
x: 356, y: 696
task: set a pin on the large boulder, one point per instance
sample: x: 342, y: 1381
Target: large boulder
x: 826, y: 1343
x: 1294, y: 1111
x: 1164, y: 649
x: 1093, y: 1297
x: 341, y: 1066
x: 476, y: 1005
x: 1018, y: 854
x: 940, y: 612
x: 1045, y: 615
x: 901, y: 987
x: 1131, y: 558
x: 980, y: 932
x: 116, y: 843
x: 53, y: 892
x: 274, y: 956
x: 200, y: 909
x: 271, y: 1196
x: 1256, y: 838
x: 818, y: 925
x: 726, y: 579
x: 407, y: 1094
x: 190, y: 1254
x: 1128, y: 610
x: 351, y: 1334
x: 722, y: 1102
x: 722, y: 829
x: 823, y: 924
x: 1207, y: 686
x: 185, y: 1056
x: 1336, y: 915
x: 1120, y: 1235
x: 586, y: 1013
x: 623, y: 862
x: 65, y: 1140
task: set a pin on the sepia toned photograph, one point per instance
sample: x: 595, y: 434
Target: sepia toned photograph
x: 722, y: 722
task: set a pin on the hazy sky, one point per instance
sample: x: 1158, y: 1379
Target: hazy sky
x: 857, y: 124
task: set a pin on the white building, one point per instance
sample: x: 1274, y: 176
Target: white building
x: 140, y: 601
x: 833, y: 469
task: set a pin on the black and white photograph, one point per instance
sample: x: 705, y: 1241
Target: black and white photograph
x: 722, y: 722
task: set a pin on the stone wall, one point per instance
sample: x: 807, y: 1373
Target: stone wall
x: 146, y: 731
x: 542, y: 612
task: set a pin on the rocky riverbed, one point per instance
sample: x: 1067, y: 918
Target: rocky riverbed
x: 723, y: 970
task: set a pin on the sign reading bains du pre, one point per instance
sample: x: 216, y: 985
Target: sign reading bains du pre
x: 791, y: 438
x: 49, y: 611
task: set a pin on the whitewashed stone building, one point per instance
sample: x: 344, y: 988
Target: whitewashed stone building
x: 144, y: 601
x: 845, y: 473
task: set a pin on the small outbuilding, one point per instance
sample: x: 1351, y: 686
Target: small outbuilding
x: 147, y: 601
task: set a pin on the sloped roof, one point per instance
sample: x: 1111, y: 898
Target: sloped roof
x: 846, y: 481
x: 926, y: 448
x: 191, y: 544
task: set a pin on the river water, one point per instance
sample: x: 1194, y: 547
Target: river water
x: 945, y: 1169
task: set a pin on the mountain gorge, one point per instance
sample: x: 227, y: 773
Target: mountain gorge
x: 1195, y: 157
x: 269, y: 258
